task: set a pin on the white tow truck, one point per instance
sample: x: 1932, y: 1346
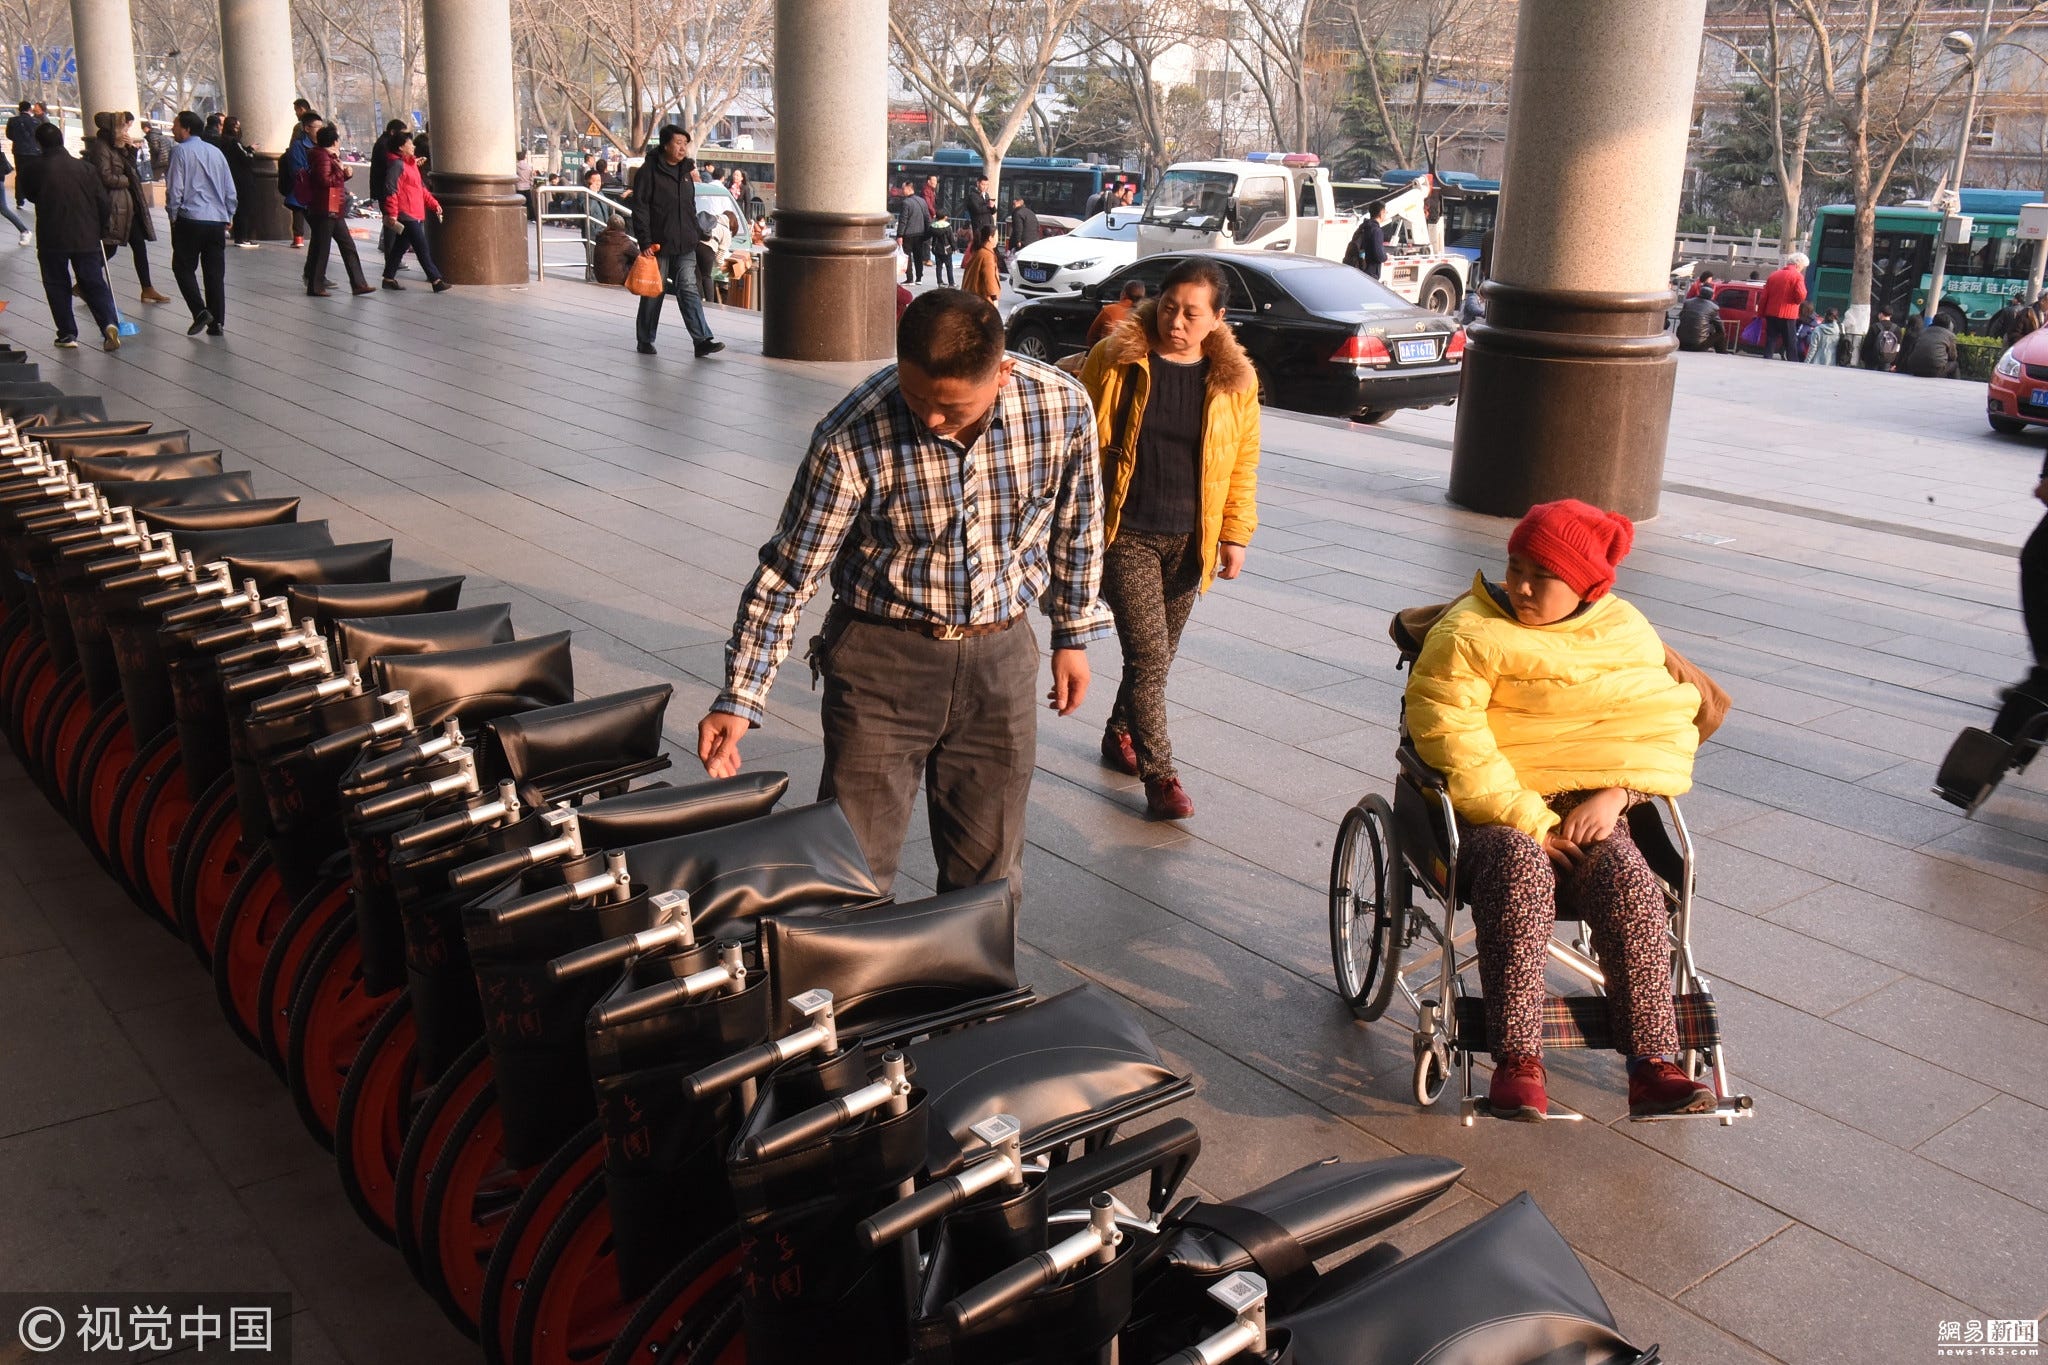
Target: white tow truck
x: 1283, y: 201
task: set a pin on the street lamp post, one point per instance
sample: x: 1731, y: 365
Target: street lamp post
x: 1972, y: 51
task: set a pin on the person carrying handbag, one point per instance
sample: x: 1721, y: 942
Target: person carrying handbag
x: 665, y: 217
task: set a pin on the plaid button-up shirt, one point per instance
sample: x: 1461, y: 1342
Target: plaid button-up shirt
x: 916, y: 527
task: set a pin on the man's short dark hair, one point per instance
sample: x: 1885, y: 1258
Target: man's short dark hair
x: 191, y: 122
x: 49, y: 136
x: 395, y: 125
x: 1199, y: 271
x: 1376, y: 210
x: 1134, y: 291
x: 309, y: 118
x: 23, y: 107
x: 669, y: 130
x: 950, y: 334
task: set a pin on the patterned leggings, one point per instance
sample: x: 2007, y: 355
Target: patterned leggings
x: 1149, y: 582
x: 1515, y: 890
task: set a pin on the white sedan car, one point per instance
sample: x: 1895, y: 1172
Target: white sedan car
x: 1061, y: 265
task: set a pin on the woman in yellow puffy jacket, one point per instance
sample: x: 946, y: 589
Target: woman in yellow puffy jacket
x: 1545, y: 703
x: 1177, y: 415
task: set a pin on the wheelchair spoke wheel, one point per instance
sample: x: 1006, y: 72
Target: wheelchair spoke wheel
x: 1368, y: 906
x: 572, y: 1310
x: 30, y: 704
x: 674, y: 1318
x: 131, y: 803
x: 212, y: 867
x: 301, y: 934
x: 331, y: 1016
x: 377, y: 1102
x: 471, y: 1193
x: 511, y: 1274
x: 433, y: 1126
x: 256, y: 911
x: 107, y: 756
x: 154, y: 842
x: 69, y: 717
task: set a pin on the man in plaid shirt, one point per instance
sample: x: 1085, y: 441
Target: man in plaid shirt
x: 945, y: 495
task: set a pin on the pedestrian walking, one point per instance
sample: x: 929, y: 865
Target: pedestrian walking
x: 380, y: 177
x: 156, y: 145
x: 1367, y: 250
x: 241, y: 159
x: 1177, y: 417
x: 291, y: 171
x: 939, y: 235
x: 1827, y: 339
x: 326, y: 203
x: 665, y: 217
x: 72, y: 211
x: 112, y: 153
x: 1909, y: 334
x: 943, y: 497
x: 199, y: 196
x: 913, y: 231
x: 7, y: 169
x: 1783, y: 292
x: 2025, y: 320
x: 21, y: 133
x: 1113, y: 313
x: 980, y: 275
x: 407, y: 202
x: 1024, y: 226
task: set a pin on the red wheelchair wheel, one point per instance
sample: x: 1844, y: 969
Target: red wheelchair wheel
x: 108, y: 750
x: 153, y: 844
x: 69, y: 717
x: 377, y: 1103
x: 511, y: 1276
x: 572, y: 1310
x: 678, y: 1314
x: 213, y: 862
x: 433, y: 1125
x: 31, y: 703
x: 332, y: 1012
x: 131, y: 796
x: 471, y: 1192
x: 257, y: 908
x: 295, y: 941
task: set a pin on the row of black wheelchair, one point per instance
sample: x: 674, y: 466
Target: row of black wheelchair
x: 632, y: 1071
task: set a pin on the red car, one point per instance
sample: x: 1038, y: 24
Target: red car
x: 1738, y: 301
x: 2018, y: 395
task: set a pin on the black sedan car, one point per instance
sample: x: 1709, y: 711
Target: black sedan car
x: 1324, y: 338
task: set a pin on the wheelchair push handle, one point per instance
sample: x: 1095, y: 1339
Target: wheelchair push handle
x: 397, y: 719
x: 347, y: 683
x: 615, y: 881
x: 461, y: 782
x: 1097, y: 1243
x: 820, y: 1035
x: 891, y: 1092
x: 200, y: 584
x: 504, y: 806
x: 564, y: 841
x: 1244, y: 1294
x: 315, y: 664
x: 731, y: 971
x: 1003, y: 1165
x: 395, y: 763
x: 585, y: 960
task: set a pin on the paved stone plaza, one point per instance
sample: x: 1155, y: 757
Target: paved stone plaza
x: 1836, y: 546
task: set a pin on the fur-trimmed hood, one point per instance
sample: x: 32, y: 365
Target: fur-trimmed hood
x: 1230, y: 369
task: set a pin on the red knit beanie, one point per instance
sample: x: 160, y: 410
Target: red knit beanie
x: 1577, y: 541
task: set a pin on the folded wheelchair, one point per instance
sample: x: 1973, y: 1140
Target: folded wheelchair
x: 1384, y: 941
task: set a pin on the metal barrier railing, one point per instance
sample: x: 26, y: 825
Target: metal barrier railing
x: 589, y: 212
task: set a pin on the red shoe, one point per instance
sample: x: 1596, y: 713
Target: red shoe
x: 1517, y: 1090
x: 1119, y: 753
x: 1166, y: 799
x: 1656, y: 1086
x: 298, y: 242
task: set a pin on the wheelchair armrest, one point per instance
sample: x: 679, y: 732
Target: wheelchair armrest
x: 1418, y: 772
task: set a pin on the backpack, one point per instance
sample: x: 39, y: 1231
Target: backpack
x: 1887, y: 343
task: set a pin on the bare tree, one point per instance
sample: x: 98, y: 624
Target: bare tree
x: 1882, y: 77
x: 1431, y: 68
x: 177, y: 49
x: 384, y: 39
x: 1278, y: 50
x: 45, y: 26
x: 1785, y: 66
x: 1127, y: 40
x: 981, y: 63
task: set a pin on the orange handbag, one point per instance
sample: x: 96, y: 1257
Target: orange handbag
x: 644, y: 278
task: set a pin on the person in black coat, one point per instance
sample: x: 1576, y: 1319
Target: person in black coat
x: 665, y: 216
x: 1699, y: 325
x: 380, y: 175
x: 1368, y: 248
x: 1933, y: 354
x: 913, y: 226
x: 242, y: 170
x: 1024, y: 228
x: 72, y: 213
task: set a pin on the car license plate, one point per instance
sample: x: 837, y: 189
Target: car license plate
x: 1035, y: 273
x: 2040, y: 398
x: 1423, y: 348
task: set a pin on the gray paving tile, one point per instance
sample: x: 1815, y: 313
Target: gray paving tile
x: 1802, y: 1296
x: 1647, y: 1318
x: 1959, y: 1031
x: 1770, y: 959
x: 22, y: 926
x: 1999, y: 1145
x: 1746, y: 881
x: 63, y: 1058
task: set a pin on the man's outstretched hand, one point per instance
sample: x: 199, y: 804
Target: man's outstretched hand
x: 718, y: 742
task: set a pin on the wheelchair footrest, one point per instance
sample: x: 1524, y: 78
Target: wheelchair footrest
x: 1728, y: 1110
x: 1581, y: 1021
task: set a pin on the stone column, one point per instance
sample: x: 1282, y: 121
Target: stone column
x: 1568, y: 381
x: 103, y: 36
x: 472, y: 147
x: 829, y: 285
x: 256, y: 61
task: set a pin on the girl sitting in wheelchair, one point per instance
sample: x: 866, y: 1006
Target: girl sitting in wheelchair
x: 1545, y: 703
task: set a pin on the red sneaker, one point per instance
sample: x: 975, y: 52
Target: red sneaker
x: 298, y: 242
x: 1166, y: 799
x: 1118, y: 752
x: 1656, y: 1086
x: 1517, y: 1090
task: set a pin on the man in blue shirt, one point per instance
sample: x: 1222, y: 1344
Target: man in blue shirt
x: 199, y: 194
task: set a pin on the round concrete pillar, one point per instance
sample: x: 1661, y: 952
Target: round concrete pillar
x: 1568, y: 381
x: 256, y: 62
x: 103, y: 36
x: 473, y: 123
x: 829, y: 285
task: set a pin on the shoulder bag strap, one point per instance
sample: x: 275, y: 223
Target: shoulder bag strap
x: 1120, y: 429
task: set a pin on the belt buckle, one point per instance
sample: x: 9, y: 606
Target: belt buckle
x: 950, y: 632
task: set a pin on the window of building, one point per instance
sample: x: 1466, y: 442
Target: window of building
x: 1984, y: 130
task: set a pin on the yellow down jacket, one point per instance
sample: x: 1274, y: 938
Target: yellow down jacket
x: 1230, y: 429
x: 1510, y: 714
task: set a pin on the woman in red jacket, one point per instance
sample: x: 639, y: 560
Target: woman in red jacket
x: 1784, y: 291
x: 405, y: 213
x: 327, y: 213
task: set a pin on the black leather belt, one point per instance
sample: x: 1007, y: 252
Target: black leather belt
x: 933, y: 630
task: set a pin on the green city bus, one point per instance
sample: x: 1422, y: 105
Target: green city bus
x: 1982, y: 275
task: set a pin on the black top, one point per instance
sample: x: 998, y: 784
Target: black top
x: 665, y: 206
x: 1165, y: 496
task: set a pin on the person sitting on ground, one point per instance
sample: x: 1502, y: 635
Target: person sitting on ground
x: 614, y: 253
x: 1546, y: 703
x: 1880, y: 343
x: 1909, y: 333
x: 980, y: 276
x: 1699, y: 324
x: 1934, y: 353
x: 1113, y: 313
